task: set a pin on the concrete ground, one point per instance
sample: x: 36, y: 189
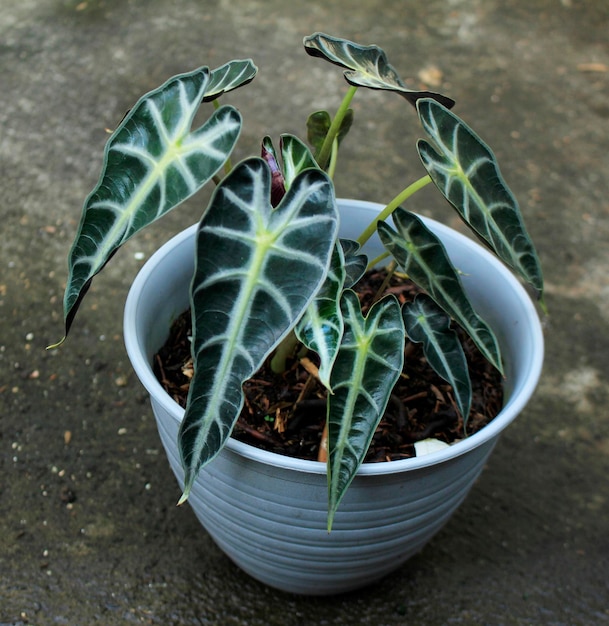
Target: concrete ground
x: 89, y: 533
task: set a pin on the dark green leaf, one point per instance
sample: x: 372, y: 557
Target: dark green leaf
x: 355, y: 262
x: 152, y: 162
x: 465, y: 170
x: 368, y: 365
x: 318, y: 126
x: 228, y: 77
x: 321, y: 327
x: 366, y: 66
x: 427, y: 323
x: 257, y: 270
x: 296, y: 158
x: 422, y: 256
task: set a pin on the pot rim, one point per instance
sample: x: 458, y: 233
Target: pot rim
x: 514, y: 405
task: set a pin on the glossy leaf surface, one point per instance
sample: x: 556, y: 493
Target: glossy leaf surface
x: 152, y: 162
x: 368, y: 365
x: 366, y: 66
x: 296, y: 158
x: 229, y: 77
x: 465, y: 170
x: 423, y: 257
x: 426, y: 323
x: 321, y: 328
x: 257, y: 270
x: 355, y: 261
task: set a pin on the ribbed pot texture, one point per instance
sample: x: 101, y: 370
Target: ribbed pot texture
x: 267, y: 512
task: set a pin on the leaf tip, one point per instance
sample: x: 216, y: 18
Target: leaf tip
x: 183, y: 497
x: 188, y: 481
x: 53, y: 346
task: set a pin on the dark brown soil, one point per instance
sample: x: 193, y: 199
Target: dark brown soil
x: 286, y: 413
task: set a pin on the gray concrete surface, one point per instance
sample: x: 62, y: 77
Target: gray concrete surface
x: 89, y: 533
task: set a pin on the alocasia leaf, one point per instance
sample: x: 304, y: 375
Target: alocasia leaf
x: 465, y: 170
x: 321, y: 327
x: 355, y: 261
x: 296, y: 158
x: 152, y: 162
x: 257, y: 270
x: 365, y: 66
x: 423, y: 257
x: 427, y: 323
x: 230, y: 76
x: 318, y: 125
x: 368, y: 365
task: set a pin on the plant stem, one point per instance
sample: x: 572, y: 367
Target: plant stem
x: 326, y: 149
x: 377, y: 260
x: 333, y: 158
x: 381, y: 290
x: 392, y: 206
x: 284, y: 350
x: 322, y: 454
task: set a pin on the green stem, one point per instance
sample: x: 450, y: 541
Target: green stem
x: 333, y: 159
x: 381, y: 290
x: 377, y: 260
x: 392, y: 206
x: 326, y: 148
x: 284, y: 350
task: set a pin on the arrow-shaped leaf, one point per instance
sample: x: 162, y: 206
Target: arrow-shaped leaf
x: 368, y: 365
x: 465, y: 170
x: 321, y: 327
x: 423, y: 257
x: 366, y: 66
x: 152, y: 162
x: 230, y: 76
x: 427, y: 323
x: 257, y: 270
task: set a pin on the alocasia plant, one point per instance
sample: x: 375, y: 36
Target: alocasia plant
x: 270, y: 271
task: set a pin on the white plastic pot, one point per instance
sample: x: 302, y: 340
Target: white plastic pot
x: 266, y: 511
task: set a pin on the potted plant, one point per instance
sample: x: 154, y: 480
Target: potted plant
x: 270, y: 276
